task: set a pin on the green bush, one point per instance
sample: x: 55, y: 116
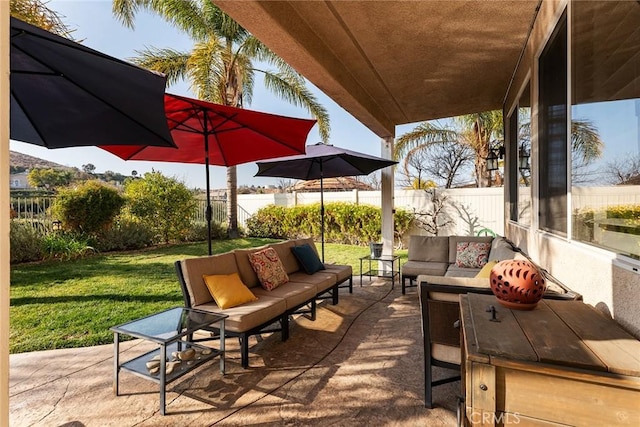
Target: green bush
x: 198, y: 231
x: 164, y: 204
x: 87, y: 208
x: 584, y: 220
x: 125, y: 234
x: 345, y: 223
x: 66, y: 246
x: 25, y: 242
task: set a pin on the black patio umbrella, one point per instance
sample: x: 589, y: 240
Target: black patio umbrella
x: 64, y: 94
x: 322, y: 161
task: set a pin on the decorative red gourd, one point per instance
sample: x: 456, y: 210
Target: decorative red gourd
x: 517, y: 284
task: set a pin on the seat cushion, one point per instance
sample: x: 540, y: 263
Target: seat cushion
x: 247, y: 316
x: 415, y: 268
x: 342, y: 272
x: 294, y: 293
x: 322, y: 280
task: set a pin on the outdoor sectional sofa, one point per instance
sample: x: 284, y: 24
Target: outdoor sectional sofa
x: 271, y: 309
x: 434, y: 265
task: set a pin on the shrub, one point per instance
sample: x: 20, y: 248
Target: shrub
x: 164, y: 204
x: 25, y: 242
x: 125, y: 234
x: 87, y: 208
x: 198, y: 232
x: 66, y: 246
x: 344, y: 222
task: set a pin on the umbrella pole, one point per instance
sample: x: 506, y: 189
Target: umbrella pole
x: 321, y: 211
x: 209, y: 214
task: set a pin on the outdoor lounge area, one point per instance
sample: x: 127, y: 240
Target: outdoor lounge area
x: 355, y: 365
x: 555, y: 70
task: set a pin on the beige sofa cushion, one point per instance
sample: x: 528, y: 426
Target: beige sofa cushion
x: 194, y: 268
x: 294, y: 293
x: 415, y: 268
x: 501, y: 250
x: 288, y: 259
x: 342, y: 272
x: 245, y: 270
x: 249, y: 315
x: 429, y: 248
x: 453, y: 244
x: 322, y: 280
x: 454, y: 271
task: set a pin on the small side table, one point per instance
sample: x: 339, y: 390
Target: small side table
x: 374, y: 272
x: 171, y: 330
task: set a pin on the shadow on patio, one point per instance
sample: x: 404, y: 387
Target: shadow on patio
x: 359, y: 363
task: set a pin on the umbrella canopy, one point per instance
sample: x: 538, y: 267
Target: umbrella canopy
x: 64, y: 94
x: 322, y: 161
x: 213, y: 134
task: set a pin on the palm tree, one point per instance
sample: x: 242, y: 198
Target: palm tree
x: 221, y: 66
x: 36, y: 12
x: 480, y: 131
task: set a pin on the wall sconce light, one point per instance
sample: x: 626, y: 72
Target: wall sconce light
x: 523, y: 159
x: 495, y: 153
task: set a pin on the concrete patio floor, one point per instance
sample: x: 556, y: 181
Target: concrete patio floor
x: 358, y: 364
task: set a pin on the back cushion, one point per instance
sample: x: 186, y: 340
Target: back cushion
x: 429, y: 248
x: 501, y: 250
x: 245, y: 270
x: 288, y: 259
x: 194, y: 268
x: 453, y: 244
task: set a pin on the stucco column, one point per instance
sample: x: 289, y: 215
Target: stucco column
x: 387, y: 198
x: 4, y: 213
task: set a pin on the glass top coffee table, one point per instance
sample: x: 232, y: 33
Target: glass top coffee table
x: 173, y: 331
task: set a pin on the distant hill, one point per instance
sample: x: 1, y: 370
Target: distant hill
x: 20, y: 160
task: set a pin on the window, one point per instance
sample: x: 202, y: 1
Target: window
x: 605, y: 112
x: 553, y: 132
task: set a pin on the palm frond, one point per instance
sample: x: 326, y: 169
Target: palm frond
x: 298, y: 95
x: 424, y: 134
x: 186, y: 15
x: 206, y: 70
x: 171, y: 63
x: 585, y: 140
x: 36, y: 12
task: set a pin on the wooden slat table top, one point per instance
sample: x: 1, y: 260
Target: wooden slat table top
x: 503, y: 338
x: 618, y: 350
x: 565, y: 333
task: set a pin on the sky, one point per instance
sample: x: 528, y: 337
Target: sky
x: 95, y: 25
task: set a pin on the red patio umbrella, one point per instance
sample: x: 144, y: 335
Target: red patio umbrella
x: 213, y: 134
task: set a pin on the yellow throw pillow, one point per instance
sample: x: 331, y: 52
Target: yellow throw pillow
x: 486, y: 270
x: 228, y: 290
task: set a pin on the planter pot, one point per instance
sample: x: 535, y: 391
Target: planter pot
x: 517, y: 284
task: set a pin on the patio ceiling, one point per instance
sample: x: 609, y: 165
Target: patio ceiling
x: 396, y: 62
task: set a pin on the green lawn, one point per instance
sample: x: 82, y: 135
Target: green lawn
x: 74, y: 303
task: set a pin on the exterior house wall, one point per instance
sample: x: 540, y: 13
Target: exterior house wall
x: 606, y: 280
x: 18, y: 181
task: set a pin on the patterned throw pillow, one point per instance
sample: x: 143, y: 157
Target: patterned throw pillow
x: 268, y: 268
x: 472, y: 254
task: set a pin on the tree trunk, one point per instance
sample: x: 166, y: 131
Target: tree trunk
x: 232, y: 202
